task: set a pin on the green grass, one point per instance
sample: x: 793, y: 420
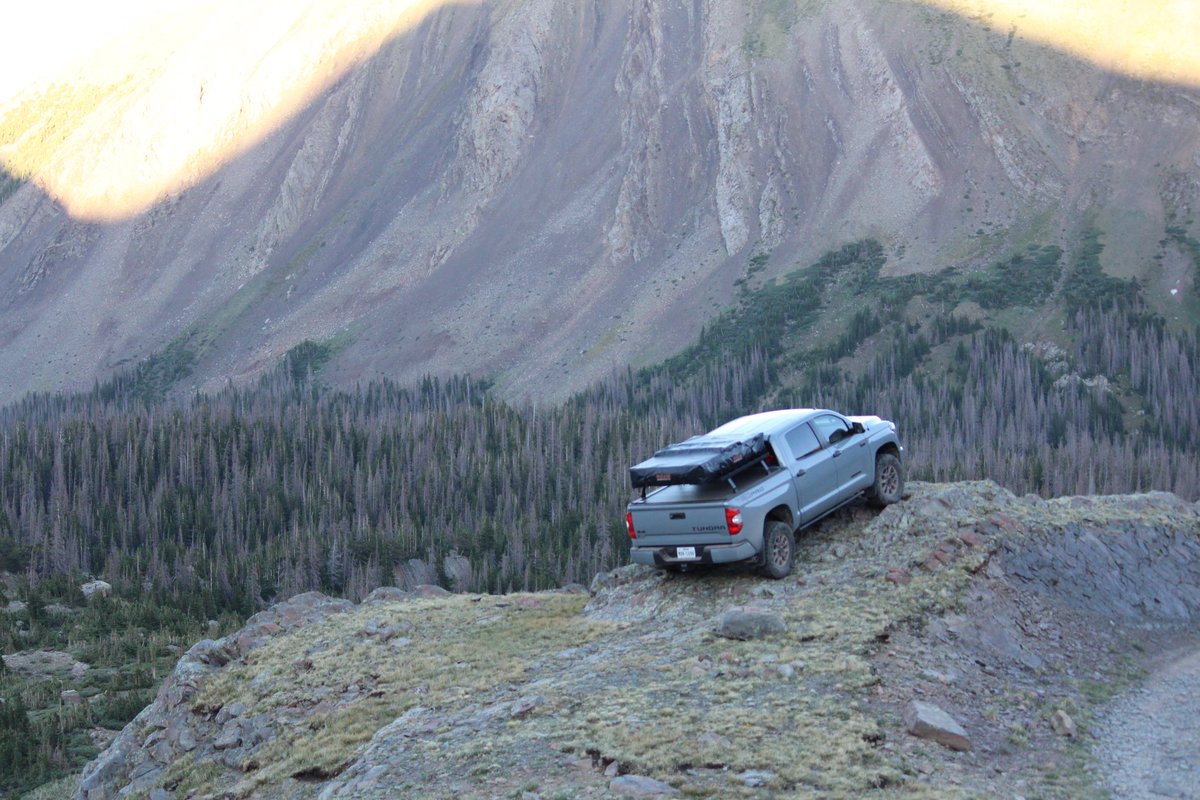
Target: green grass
x: 641, y: 705
x: 450, y: 657
x: 54, y: 790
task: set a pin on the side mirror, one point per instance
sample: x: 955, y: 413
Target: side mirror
x: 856, y: 428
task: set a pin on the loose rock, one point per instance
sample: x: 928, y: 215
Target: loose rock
x: 744, y: 624
x: 927, y: 721
x: 641, y: 786
x: 755, y: 778
x: 1062, y: 724
x: 525, y: 706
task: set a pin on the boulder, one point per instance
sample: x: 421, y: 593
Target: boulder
x: 96, y: 589
x: 458, y: 572
x: 414, y: 573
x: 229, y: 737
x: 739, y: 623
x: 385, y: 594
x: 1063, y: 725
x: 927, y: 721
x: 525, y: 706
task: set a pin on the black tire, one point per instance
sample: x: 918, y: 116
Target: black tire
x: 889, y: 481
x: 779, y: 549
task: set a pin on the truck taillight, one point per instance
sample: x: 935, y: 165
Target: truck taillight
x: 733, y: 520
x: 629, y: 525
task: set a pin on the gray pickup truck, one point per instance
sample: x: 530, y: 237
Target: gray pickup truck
x: 742, y: 491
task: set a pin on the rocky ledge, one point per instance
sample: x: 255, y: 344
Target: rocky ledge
x: 955, y: 640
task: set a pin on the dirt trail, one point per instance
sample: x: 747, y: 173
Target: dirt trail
x: 1149, y: 739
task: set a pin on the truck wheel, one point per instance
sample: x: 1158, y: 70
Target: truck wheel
x: 889, y: 481
x: 779, y: 550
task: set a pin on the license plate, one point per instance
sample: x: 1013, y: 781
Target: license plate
x: 685, y: 552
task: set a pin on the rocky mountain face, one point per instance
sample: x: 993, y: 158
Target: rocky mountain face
x: 964, y: 639
x: 541, y: 191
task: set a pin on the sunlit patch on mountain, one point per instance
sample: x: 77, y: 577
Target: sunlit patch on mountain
x: 1154, y: 41
x: 164, y: 102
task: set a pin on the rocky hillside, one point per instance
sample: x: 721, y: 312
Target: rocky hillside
x: 958, y: 643
x: 542, y: 190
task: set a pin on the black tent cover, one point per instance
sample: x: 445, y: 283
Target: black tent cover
x: 699, y: 459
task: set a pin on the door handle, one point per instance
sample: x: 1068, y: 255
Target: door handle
x: 837, y: 453
x: 800, y: 473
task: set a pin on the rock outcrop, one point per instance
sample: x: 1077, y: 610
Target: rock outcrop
x: 1136, y: 557
x: 657, y: 683
x: 170, y: 728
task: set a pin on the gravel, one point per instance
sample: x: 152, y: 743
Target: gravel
x: 1149, y: 739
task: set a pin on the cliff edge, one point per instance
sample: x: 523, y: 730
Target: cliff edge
x: 1014, y: 619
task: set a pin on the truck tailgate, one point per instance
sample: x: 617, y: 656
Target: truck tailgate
x: 696, y: 517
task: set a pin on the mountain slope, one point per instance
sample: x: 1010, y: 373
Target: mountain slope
x: 541, y: 191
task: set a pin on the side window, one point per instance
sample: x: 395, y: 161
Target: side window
x: 802, y: 441
x: 831, y: 428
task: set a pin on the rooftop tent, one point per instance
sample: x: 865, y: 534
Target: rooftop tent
x: 700, y: 459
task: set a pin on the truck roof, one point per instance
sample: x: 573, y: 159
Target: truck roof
x: 768, y: 422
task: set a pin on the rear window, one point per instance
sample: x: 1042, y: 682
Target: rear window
x: 802, y: 441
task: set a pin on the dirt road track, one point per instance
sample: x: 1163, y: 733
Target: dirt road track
x: 1150, y: 738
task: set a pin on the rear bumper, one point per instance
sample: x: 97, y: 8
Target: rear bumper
x: 706, y: 554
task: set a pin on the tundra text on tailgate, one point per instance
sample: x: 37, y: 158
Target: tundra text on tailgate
x: 740, y: 492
